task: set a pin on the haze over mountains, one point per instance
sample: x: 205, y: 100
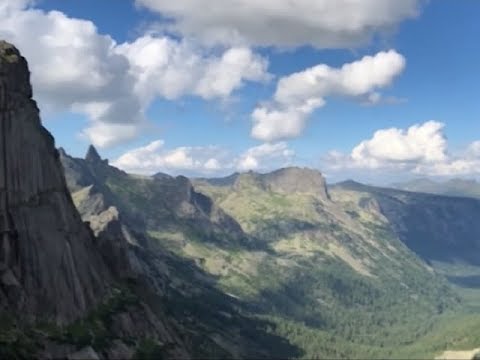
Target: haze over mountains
x: 99, y: 263
x: 452, y: 187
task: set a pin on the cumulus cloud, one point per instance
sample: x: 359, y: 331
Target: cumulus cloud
x: 424, y: 143
x: 420, y: 149
x: 154, y: 158
x: 76, y: 68
x: 202, y: 160
x: 298, y: 95
x: 170, y: 68
x: 14, y: 5
x: 283, y: 23
x: 103, y: 134
x: 265, y: 156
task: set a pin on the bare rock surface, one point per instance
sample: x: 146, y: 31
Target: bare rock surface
x: 297, y: 180
x: 47, y: 253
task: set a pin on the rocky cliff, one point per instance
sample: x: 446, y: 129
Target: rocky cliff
x: 65, y: 290
x: 47, y: 253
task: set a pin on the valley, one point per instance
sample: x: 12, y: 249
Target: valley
x: 335, y: 270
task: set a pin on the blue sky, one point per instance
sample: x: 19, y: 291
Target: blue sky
x: 424, y: 68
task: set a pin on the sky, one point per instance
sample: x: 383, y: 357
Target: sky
x: 375, y: 90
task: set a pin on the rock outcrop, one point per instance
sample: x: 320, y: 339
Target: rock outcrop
x: 92, y: 155
x: 297, y: 180
x: 48, y: 262
x: 289, y: 180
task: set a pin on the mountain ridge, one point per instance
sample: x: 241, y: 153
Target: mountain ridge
x: 289, y: 231
x: 111, y: 204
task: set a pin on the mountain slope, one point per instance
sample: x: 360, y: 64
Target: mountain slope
x: 131, y: 211
x: 289, y: 254
x: 438, y: 228
x: 381, y: 236
x: 325, y: 268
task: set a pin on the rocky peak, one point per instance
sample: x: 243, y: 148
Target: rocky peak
x: 14, y: 77
x: 350, y: 185
x: 92, y: 155
x: 297, y: 180
x: 161, y: 176
x: 62, y: 153
x: 46, y: 252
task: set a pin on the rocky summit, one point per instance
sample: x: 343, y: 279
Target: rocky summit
x: 47, y: 253
x: 297, y: 180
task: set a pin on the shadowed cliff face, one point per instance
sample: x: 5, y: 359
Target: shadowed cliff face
x: 47, y: 253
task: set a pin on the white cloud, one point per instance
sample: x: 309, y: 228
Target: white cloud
x: 202, y: 160
x: 271, y: 124
x: 418, y: 144
x: 265, y: 156
x: 155, y: 158
x: 107, y: 134
x: 73, y: 67
x: 353, y: 79
x: 212, y: 164
x: 473, y: 149
x: 76, y: 68
x: 284, y: 23
x: 298, y: 95
x: 420, y: 149
x: 225, y: 74
x: 13, y: 5
x: 170, y: 68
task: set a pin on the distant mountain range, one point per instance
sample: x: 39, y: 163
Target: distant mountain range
x: 453, y: 187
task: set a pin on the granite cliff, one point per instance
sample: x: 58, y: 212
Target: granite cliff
x: 59, y: 290
x: 47, y: 253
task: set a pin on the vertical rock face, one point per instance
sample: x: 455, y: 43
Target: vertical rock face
x: 48, y: 262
